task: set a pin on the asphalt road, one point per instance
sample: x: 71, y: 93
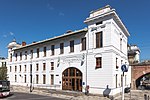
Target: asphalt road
x: 28, y: 96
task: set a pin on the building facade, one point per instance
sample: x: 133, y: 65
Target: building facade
x: 3, y: 62
x: 133, y: 54
x: 88, y: 57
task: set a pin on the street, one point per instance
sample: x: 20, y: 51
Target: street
x: 28, y: 96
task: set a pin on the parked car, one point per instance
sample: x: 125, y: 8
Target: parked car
x: 4, y: 88
x: 127, y: 89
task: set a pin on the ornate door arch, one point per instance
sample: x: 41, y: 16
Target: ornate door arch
x: 72, y: 79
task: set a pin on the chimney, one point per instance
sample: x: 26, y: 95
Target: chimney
x: 23, y: 43
x: 68, y: 31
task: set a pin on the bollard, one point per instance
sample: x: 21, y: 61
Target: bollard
x: 87, y: 90
x: 148, y: 97
x: 145, y: 97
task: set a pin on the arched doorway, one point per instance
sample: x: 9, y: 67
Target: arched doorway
x: 72, y: 79
x: 143, y: 82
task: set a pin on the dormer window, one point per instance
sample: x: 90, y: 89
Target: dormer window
x: 98, y: 23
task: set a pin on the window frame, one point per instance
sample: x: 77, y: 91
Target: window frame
x: 16, y: 56
x: 31, y: 51
x: 20, y: 55
x: 61, y: 48
x: 71, y: 46
x: 98, y: 62
x: 26, y: 53
x: 37, y: 51
x: 44, y: 79
x: 37, y: 67
x: 99, y: 39
x: 83, y: 43
x: 44, y: 66
x: 52, y: 49
x: 44, y: 50
x: 52, y: 65
x: 52, y: 79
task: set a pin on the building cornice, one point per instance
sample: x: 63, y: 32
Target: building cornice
x: 116, y: 17
x: 54, y: 38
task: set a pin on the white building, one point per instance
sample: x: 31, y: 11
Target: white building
x: 133, y: 54
x: 3, y: 62
x: 87, y: 57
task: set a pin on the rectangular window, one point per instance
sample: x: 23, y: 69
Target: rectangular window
x: 37, y: 79
x: 44, y: 66
x: 52, y: 65
x: 52, y: 49
x: 72, y: 46
x: 99, y: 40
x: 25, y: 68
x: 16, y: 56
x: 116, y: 80
x: 98, y: 62
x: 10, y: 68
x: 44, y: 49
x: 31, y: 54
x: 25, y: 55
x: 15, y: 78
x: 11, y: 57
x: 37, y: 51
x: 120, y: 44
x: 101, y: 22
x: 121, y: 62
x: 20, y: 55
x: 121, y: 80
x: 15, y: 68
x: 20, y: 67
x: 61, y: 48
x: 44, y: 79
x: 37, y: 67
x: 52, y: 79
x: 25, y: 78
x: 83, y: 42
x: 117, y: 63
x: 30, y: 68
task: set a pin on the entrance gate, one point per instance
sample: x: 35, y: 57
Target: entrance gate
x: 72, y: 79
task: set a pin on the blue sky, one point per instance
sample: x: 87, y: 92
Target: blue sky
x: 34, y: 20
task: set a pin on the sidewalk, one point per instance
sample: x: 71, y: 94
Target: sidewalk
x: 70, y: 95
x: 135, y: 95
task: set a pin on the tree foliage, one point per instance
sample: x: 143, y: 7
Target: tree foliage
x: 3, y: 73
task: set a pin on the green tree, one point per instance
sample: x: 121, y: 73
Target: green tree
x: 3, y: 73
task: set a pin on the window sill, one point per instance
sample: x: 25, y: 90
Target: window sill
x: 71, y: 52
x: 51, y: 71
x: 82, y: 50
x: 98, y: 67
x: 98, y: 47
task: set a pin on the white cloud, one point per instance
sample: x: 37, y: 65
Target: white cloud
x: 4, y: 36
x: 11, y: 33
x: 50, y: 7
x: 61, y: 14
